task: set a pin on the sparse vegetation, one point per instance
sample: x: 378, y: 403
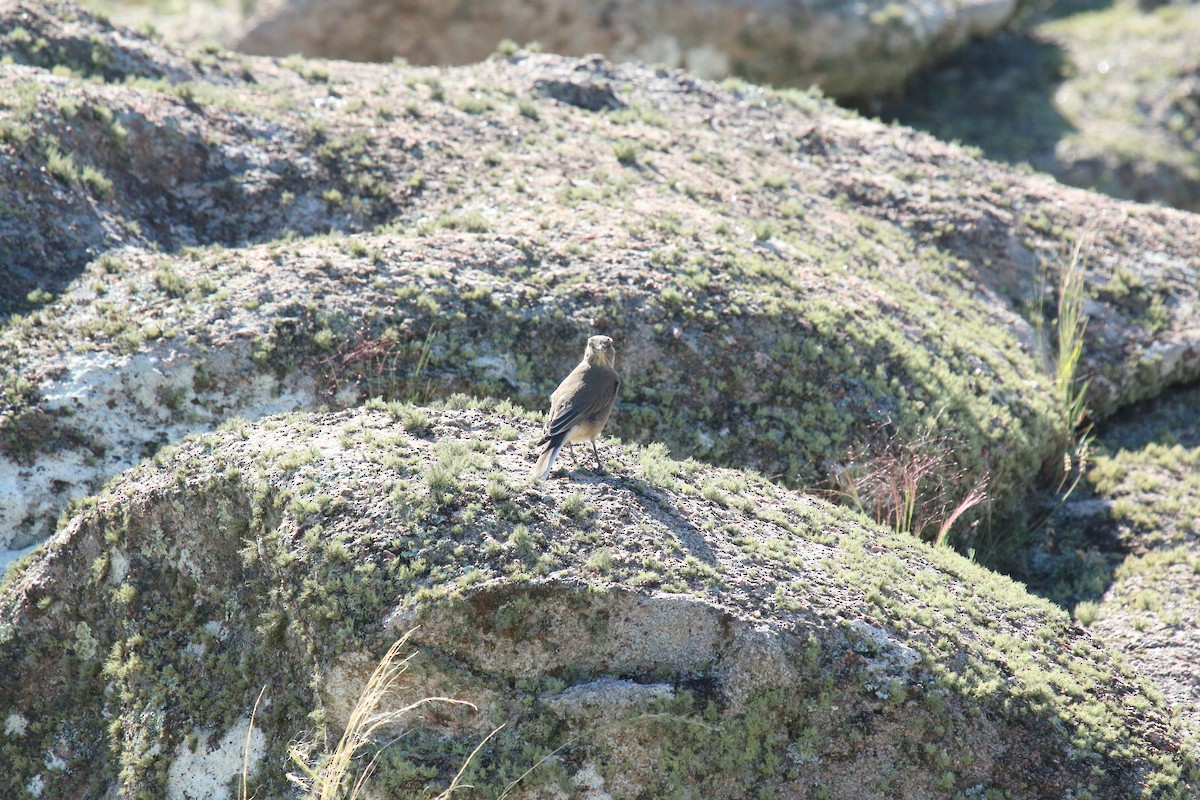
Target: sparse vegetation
x: 576, y: 507
x: 330, y: 776
x: 1085, y: 613
x: 782, y: 312
x: 61, y: 165
x: 1069, y: 324
x: 626, y: 151
x: 914, y: 487
x: 168, y: 279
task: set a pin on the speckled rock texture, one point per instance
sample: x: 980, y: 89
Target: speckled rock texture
x: 1134, y: 527
x: 1103, y: 96
x: 659, y: 629
x: 193, y: 238
x: 845, y: 48
x: 190, y: 240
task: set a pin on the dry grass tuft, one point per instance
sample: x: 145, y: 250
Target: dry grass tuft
x: 912, y: 486
x: 330, y: 778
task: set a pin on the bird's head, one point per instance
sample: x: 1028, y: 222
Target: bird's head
x: 600, y: 351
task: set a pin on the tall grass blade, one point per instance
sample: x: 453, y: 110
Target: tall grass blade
x: 328, y: 781
x: 246, y: 749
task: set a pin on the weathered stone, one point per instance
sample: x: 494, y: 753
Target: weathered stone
x: 778, y: 272
x: 636, y: 634
x: 845, y: 48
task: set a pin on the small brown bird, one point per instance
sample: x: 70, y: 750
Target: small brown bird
x: 581, y: 404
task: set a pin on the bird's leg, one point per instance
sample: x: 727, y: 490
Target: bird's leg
x: 599, y: 467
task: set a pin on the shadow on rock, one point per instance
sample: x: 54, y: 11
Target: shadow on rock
x: 997, y: 95
x: 113, y: 170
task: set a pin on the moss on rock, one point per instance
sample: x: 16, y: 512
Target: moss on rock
x: 791, y: 287
x: 735, y: 637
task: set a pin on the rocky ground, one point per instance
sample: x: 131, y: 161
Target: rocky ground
x: 1130, y: 534
x: 234, y: 236
x: 197, y: 237
x: 1101, y: 95
x: 659, y: 626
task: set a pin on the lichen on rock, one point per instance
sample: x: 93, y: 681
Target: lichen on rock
x: 789, y: 285
x: 769, y: 640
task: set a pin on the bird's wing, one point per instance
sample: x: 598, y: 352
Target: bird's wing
x: 597, y: 391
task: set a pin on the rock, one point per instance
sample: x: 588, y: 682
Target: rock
x: 791, y: 287
x: 588, y: 94
x: 1143, y: 597
x: 55, y: 33
x: 847, y: 49
x: 192, y: 240
x: 1148, y: 614
x: 1106, y: 99
x: 637, y: 633
x: 59, y: 34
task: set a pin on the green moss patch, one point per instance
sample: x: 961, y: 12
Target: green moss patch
x: 731, y: 633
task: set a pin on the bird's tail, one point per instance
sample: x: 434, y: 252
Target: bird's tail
x: 545, y: 461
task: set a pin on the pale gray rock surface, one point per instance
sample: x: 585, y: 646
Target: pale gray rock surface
x: 662, y: 628
x: 846, y: 48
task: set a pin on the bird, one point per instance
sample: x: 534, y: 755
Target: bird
x: 580, y: 405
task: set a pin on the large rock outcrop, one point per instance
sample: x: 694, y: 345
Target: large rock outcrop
x: 1104, y: 98
x: 192, y: 238
x: 790, y: 286
x: 845, y: 48
x: 664, y: 629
